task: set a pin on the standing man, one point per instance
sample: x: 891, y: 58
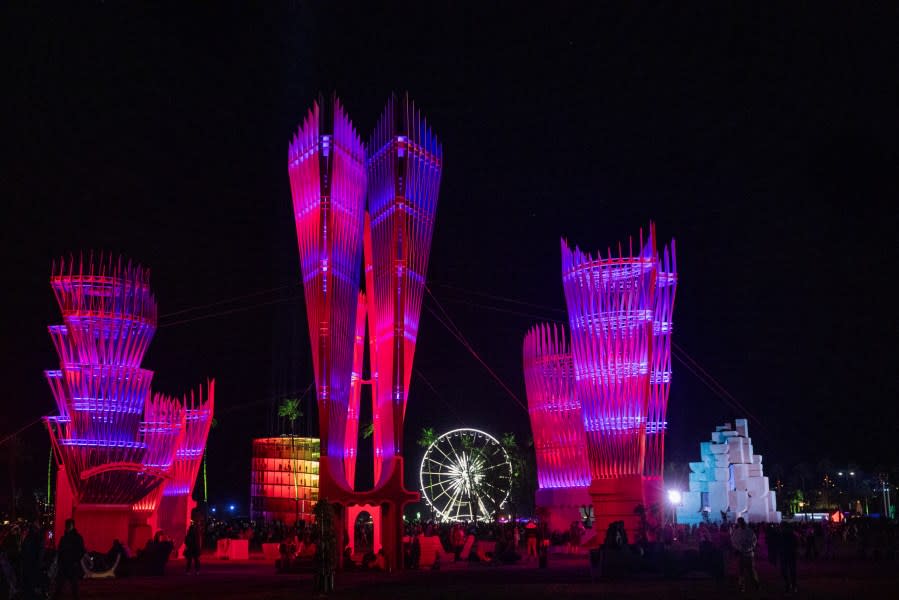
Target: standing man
x: 744, y: 541
x: 71, y: 551
x: 192, y: 548
x: 530, y: 535
x: 789, y: 551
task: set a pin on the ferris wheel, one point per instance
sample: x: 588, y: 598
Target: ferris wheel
x: 466, y: 475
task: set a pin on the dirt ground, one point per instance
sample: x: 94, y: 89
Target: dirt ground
x: 564, y: 578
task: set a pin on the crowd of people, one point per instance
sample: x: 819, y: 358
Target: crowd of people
x: 508, y: 542
x: 788, y: 543
x: 32, y: 565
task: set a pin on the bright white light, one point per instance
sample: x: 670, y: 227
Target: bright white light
x: 674, y: 497
x: 231, y: 507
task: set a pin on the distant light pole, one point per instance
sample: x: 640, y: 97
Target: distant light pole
x: 675, y: 498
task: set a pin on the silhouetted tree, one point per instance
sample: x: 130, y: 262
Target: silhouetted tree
x: 290, y: 410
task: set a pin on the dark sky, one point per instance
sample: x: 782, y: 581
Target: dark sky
x: 764, y: 142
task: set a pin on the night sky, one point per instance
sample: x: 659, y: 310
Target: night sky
x: 764, y: 142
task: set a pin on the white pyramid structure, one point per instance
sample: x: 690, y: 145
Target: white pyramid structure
x: 728, y: 478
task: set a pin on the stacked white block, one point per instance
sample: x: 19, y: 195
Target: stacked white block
x: 729, y: 479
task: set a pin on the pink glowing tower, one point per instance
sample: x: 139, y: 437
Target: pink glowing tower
x: 326, y: 163
x: 118, y: 447
x: 381, y: 208
x: 404, y: 163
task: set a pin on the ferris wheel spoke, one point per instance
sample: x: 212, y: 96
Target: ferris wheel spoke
x: 488, y: 484
x: 484, y: 509
x: 447, y: 465
x: 447, y: 456
x: 444, y: 491
x: 456, y: 502
x: 445, y: 468
x: 496, y: 466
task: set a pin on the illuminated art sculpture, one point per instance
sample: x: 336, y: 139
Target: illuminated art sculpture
x: 557, y: 426
x: 619, y: 311
x: 284, y: 479
x: 728, y: 479
x: 598, y: 409
x: 466, y: 475
x: 404, y: 162
x: 330, y: 180
x: 326, y: 163
x: 127, y: 458
x: 177, y: 503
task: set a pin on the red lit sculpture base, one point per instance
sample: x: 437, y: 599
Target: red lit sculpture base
x: 173, y: 517
x: 98, y: 524
x: 389, y: 494
x: 101, y: 524
x: 562, y: 506
x: 654, y: 493
x: 615, y: 500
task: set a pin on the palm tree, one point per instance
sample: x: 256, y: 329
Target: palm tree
x: 428, y: 436
x: 524, y: 481
x: 290, y: 410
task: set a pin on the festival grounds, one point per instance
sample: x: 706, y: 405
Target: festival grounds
x: 565, y: 577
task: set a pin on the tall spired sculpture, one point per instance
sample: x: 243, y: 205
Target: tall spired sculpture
x: 119, y: 448
x: 382, y: 208
x: 619, y: 313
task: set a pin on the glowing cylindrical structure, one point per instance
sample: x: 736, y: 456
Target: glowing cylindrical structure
x: 619, y: 309
x: 404, y: 167
x: 554, y: 409
x: 326, y: 164
x: 610, y: 302
x: 284, y: 478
